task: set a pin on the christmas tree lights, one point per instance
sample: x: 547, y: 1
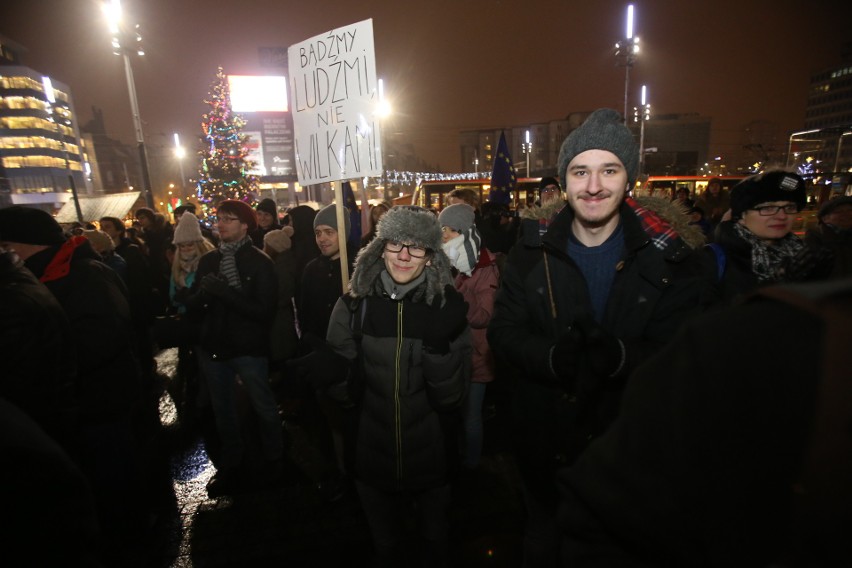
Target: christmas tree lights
x: 224, y: 158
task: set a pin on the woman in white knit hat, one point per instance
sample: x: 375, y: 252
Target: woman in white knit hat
x: 191, y: 246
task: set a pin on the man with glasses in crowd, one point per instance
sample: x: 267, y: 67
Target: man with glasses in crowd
x: 237, y: 298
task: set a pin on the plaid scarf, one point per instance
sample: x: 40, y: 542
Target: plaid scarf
x: 767, y: 260
x: 660, y: 232
x: 228, y: 266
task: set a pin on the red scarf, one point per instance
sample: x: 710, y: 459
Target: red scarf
x: 60, y: 266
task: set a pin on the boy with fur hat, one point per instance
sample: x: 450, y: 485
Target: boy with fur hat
x: 398, y: 355
x: 235, y: 296
x: 608, y: 282
x: 477, y: 278
x: 758, y: 246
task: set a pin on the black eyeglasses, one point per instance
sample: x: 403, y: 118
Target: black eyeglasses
x: 769, y: 210
x: 414, y: 250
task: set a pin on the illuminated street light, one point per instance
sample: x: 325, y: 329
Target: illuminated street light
x: 180, y: 153
x: 527, y: 149
x: 125, y: 42
x: 626, y: 51
x: 641, y: 115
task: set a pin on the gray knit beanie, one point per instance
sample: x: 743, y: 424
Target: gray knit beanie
x: 603, y: 130
x: 328, y: 216
x: 458, y: 217
x: 187, y: 230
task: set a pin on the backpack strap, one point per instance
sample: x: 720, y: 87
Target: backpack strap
x: 721, y: 259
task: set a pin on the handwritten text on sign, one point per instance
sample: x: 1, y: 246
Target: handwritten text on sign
x: 333, y: 91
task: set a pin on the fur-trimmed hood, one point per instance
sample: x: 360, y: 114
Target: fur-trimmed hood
x: 408, y: 225
x: 676, y: 215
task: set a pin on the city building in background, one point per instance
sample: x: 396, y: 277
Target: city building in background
x: 826, y: 140
x: 42, y: 157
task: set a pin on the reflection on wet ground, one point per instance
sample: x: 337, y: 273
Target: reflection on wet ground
x: 292, y: 525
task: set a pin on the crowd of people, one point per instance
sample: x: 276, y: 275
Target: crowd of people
x: 666, y: 399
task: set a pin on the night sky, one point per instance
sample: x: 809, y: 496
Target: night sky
x: 450, y: 65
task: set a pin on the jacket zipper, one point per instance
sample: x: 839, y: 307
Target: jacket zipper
x: 397, y: 421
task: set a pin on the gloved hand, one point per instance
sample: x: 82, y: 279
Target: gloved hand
x: 215, y: 285
x: 445, y: 322
x: 809, y: 263
x: 322, y: 367
x: 565, y: 355
x: 604, y: 352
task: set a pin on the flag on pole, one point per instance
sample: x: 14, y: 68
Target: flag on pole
x: 354, y: 235
x: 502, y: 175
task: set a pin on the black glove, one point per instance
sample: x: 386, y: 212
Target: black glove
x: 565, y: 355
x: 215, y: 286
x: 322, y: 367
x: 445, y: 322
x: 181, y: 295
x: 809, y: 263
x: 604, y: 352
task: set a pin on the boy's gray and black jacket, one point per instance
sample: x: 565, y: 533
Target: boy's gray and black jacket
x: 406, y: 398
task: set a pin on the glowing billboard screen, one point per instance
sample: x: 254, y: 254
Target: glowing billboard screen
x: 256, y: 93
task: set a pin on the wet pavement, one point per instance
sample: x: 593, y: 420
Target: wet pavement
x: 293, y: 525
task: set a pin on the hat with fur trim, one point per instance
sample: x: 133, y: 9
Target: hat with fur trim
x: 410, y: 225
x: 602, y: 130
x: 776, y: 185
x: 187, y: 230
x: 242, y: 210
x: 279, y: 239
x: 30, y: 226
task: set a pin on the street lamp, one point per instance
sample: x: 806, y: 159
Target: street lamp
x: 180, y: 153
x: 641, y: 115
x: 626, y: 51
x: 51, y: 101
x: 124, y: 42
x: 790, y: 143
x: 383, y: 111
x: 527, y: 149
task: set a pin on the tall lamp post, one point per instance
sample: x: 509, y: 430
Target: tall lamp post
x: 527, y: 148
x: 180, y: 153
x: 641, y: 115
x: 626, y: 51
x: 124, y: 42
x: 384, y: 111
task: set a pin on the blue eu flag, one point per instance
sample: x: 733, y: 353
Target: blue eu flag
x: 503, y: 174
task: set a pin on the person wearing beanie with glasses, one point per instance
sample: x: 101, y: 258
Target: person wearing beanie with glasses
x: 606, y: 284
x: 757, y: 245
x: 234, y: 295
x: 397, y: 356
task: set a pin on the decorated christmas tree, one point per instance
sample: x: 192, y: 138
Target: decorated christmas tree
x: 224, y: 164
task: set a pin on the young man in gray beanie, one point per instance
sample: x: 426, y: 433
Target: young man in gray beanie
x: 581, y: 304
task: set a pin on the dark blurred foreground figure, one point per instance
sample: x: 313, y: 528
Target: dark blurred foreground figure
x: 744, y: 460
x: 48, y: 512
x: 834, y: 233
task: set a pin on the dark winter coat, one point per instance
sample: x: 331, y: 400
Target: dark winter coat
x: 321, y: 287
x: 283, y: 339
x: 701, y: 466
x: 653, y: 293
x: 838, y: 241
x: 407, y: 398
x: 39, y: 362
x: 238, y: 325
x: 95, y: 300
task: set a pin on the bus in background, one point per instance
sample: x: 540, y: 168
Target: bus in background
x: 433, y: 194
x: 667, y: 186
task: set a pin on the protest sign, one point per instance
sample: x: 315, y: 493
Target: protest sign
x: 334, y: 98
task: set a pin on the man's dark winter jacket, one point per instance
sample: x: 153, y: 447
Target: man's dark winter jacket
x: 239, y: 324
x: 95, y: 300
x: 653, y: 293
x: 39, y: 362
x: 321, y: 287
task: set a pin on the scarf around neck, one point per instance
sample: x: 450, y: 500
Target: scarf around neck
x: 766, y: 260
x: 463, y: 251
x: 228, y: 265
